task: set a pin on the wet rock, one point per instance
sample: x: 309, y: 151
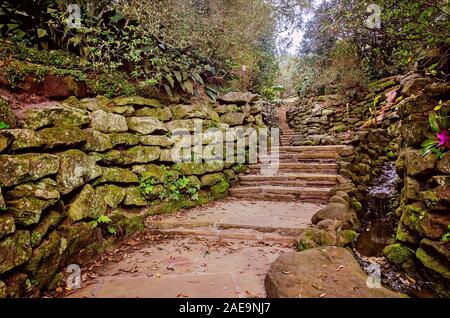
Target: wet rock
x: 146, y: 125
x: 161, y: 114
x: 2, y: 201
x: 140, y: 154
x: 108, y: 123
x: 398, y: 254
x: 411, y: 189
x: 17, y: 169
x: 61, y: 137
x: 133, y: 197
x: 338, y: 199
x: 117, y: 175
x: 14, y: 250
x: 15, y: 285
x: 137, y: 101
x: 96, y: 141
x: 75, y: 170
x: 417, y: 164
x: 87, y: 205
x: 301, y: 274
x: 25, y: 139
x: 382, y: 84
x: 124, y: 139
x: 162, y: 141
x: 7, y: 225
x: 113, y: 195
x: 314, y: 237
x: 239, y: 98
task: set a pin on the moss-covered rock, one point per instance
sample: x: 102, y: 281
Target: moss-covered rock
x: 414, y: 129
x: 347, y: 237
x: 431, y: 261
x: 6, y: 114
x: 212, y: 179
x: 133, y: 197
x: 189, y: 111
x: 405, y: 235
x: 414, y: 86
x: 6, y: 138
x: 25, y: 139
x: 415, y: 105
x: 87, y: 205
x: 382, y: 84
x: 140, y: 154
x: 45, y: 260
x: 411, y: 189
x: 75, y: 237
x: 416, y: 164
x: 146, y: 125
x: 49, y: 222
x: 335, y: 211
x: 313, y: 237
x: 59, y: 116
x: 96, y: 141
x: 14, y: 250
x: 192, y: 168
x: 113, y: 195
x: 238, y: 98
x: 108, y: 123
x: 220, y: 190
x: 233, y: 119
x: 162, y: 114
x: 27, y: 167
x: 150, y: 171
x: 28, y: 210
x: 161, y: 141
x: 7, y: 225
x: 75, y: 170
x: 398, y: 253
x: 62, y: 137
x: 124, y: 139
x: 117, y: 175
x: 137, y: 101
x: 45, y: 189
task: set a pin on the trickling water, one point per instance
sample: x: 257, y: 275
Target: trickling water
x: 378, y: 226
x: 381, y: 192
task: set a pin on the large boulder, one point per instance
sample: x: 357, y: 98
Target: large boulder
x: 414, y: 85
x: 330, y: 272
x: 14, y: 250
x: 75, y: 170
x: 108, y: 123
x: 19, y: 169
x: 87, y: 205
x: 146, y: 125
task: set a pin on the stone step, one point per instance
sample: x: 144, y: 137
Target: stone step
x: 335, y: 148
x: 302, y: 155
x: 264, y: 193
x: 298, y: 167
x: 287, y: 183
x: 299, y: 177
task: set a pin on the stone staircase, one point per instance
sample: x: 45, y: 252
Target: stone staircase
x: 305, y: 173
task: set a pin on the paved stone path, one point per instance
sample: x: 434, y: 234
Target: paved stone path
x: 223, y: 249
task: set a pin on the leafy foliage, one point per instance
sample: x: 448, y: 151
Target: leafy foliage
x: 439, y: 141
x: 4, y: 125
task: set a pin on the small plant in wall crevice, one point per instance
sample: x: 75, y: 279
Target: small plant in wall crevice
x: 439, y: 141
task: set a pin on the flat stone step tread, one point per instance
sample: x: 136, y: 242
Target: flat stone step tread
x: 297, y: 165
x: 293, y: 176
x: 309, y: 154
x: 310, y: 148
x: 307, y: 191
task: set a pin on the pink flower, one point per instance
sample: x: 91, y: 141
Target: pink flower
x: 444, y: 138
